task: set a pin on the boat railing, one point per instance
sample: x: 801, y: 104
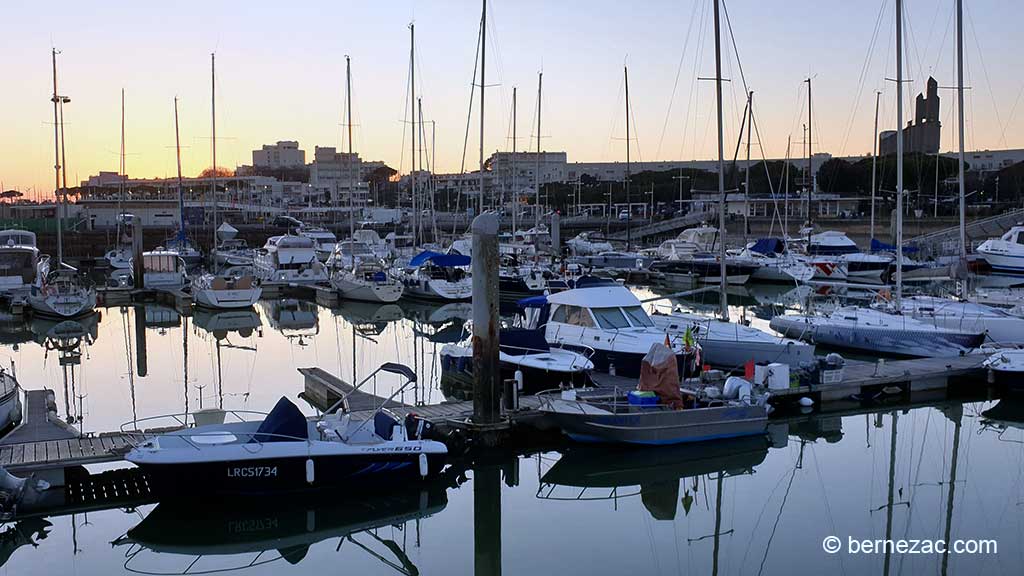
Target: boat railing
x: 181, y: 420
x: 244, y: 438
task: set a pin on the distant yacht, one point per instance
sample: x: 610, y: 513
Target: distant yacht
x: 290, y: 259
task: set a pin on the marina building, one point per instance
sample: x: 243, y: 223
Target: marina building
x: 284, y: 154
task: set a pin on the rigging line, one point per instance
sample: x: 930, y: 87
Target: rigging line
x: 469, y: 122
x: 694, y: 97
x: 739, y: 65
x: 945, y: 36
x: 675, y: 84
x: 636, y: 134
x: 984, y: 70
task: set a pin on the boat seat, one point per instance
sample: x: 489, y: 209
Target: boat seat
x: 384, y: 425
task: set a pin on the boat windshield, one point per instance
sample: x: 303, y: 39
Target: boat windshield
x: 638, y: 317
x: 610, y: 318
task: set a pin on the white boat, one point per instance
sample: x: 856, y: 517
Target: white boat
x: 609, y: 322
x: 120, y: 257
x: 290, y: 259
x: 878, y: 332
x: 1006, y: 254
x: 731, y: 345
x: 373, y: 240
x: 689, y: 243
x: 775, y: 262
x: 63, y: 293
x: 163, y: 269
x: 584, y: 245
x: 866, y: 267
x: 436, y: 276
x: 1008, y: 366
x: 225, y: 292
x: 21, y: 265
x: 366, y: 281
x: 230, y: 250
x: 323, y: 240
x: 999, y: 325
x: 10, y: 400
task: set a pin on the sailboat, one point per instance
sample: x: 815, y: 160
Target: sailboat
x: 62, y: 292
x: 230, y: 250
x: 221, y: 290
x: 885, y: 330
x: 120, y: 257
x: 180, y: 243
x: 354, y: 277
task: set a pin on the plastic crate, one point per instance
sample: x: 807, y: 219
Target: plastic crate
x: 832, y: 376
x: 638, y: 398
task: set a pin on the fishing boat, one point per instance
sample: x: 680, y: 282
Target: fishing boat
x: 64, y: 293
x: 21, y: 265
x: 1006, y: 254
x: 225, y: 291
x: 285, y: 452
x: 607, y: 323
x: 875, y: 331
x: 289, y: 259
x: 435, y: 276
x: 525, y: 357
x: 163, y: 269
x: 732, y: 345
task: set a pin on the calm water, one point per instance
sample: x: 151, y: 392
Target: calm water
x: 748, y: 507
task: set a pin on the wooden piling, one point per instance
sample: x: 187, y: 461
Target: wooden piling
x: 486, y: 365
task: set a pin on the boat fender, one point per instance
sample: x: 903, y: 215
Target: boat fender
x: 737, y: 388
x: 310, y: 475
x: 806, y: 402
x: 519, y: 380
x: 424, y: 467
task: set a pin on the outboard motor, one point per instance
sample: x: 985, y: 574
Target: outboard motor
x: 417, y: 428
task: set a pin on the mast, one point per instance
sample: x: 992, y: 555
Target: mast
x: 351, y: 159
x: 812, y: 181
x: 899, y: 152
x: 421, y: 134
x: 483, y: 62
x: 412, y: 128
x: 785, y: 191
x: 960, y: 120
x: 124, y: 176
x: 721, y: 169
x: 181, y: 198
x: 56, y: 163
x: 629, y: 211
x: 536, y: 172
x: 213, y: 124
x: 515, y: 191
x: 746, y: 185
x: 874, y: 166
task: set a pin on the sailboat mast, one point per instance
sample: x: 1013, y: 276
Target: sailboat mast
x: 874, y: 166
x: 785, y: 191
x: 536, y: 173
x: 721, y: 169
x: 351, y: 158
x: 412, y: 129
x: 181, y: 197
x: 483, y: 62
x: 124, y: 174
x: 899, y: 152
x: 960, y: 120
x: 213, y: 125
x: 56, y: 163
x: 629, y: 211
x: 515, y: 191
x: 746, y: 185
x: 812, y: 181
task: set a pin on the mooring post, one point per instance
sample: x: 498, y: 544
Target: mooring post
x: 556, y: 234
x: 141, y: 362
x: 487, y: 519
x: 486, y: 367
x: 137, y: 268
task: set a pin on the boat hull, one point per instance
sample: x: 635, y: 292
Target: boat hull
x: 663, y: 427
x: 437, y: 290
x: 349, y: 289
x: 890, y: 341
x: 228, y: 299
x: 457, y: 377
x: 63, y: 306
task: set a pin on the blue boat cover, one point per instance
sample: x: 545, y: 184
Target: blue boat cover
x: 522, y: 341
x: 445, y: 260
x: 769, y: 246
x: 533, y: 302
x: 877, y: 246
x: 285, y: 423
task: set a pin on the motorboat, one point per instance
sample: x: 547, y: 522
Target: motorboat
x: 289, y: 259
x: 614, y: 260
x: 876, y: 331
x: 370, y: 238
x: 163, y: 269
x: 775, y: 263
x: 284, y: 452
x: 367, y: 280
x: 584, y: 244
x: 607, y: 323
x: 525, y: 357
x: 64, y: 293
x: 21, y: 265
x: 323, y: 240
x: 10, y: 400
x: 831, y: 243
x: 1008, y: 366
x: 999, y: 326
x: 689, y: 243
x: 862, y: 267
x: 225, y: 291
x: 435, y: 276
x: 231, y: 250
x: 706, y: 269
x: 616, y: 418
x: 1006, y: 254
x: 732, y: 345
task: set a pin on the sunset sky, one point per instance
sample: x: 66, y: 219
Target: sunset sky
x: 280, y: 75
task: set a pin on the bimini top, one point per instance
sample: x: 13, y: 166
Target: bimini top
x: 596, y: 297
x: 445, y: 260
x: 769, y: 246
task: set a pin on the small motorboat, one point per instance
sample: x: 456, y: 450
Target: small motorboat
x: 285, y: 451
x: 224, y: 291
x: 1007, y: 365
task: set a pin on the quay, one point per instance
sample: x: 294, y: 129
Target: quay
x: 865, y: 383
